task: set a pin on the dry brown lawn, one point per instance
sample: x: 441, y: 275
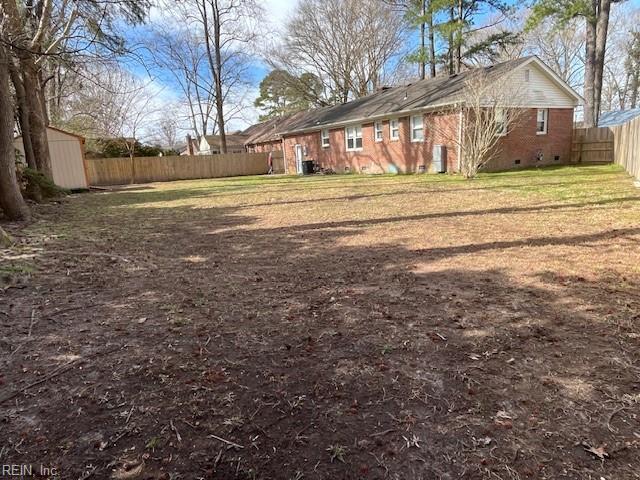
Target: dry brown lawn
x: 331, y: 327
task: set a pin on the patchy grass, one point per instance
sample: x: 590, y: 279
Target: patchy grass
x: 330, y: 327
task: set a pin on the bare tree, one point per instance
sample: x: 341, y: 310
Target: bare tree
x: 180, y: 54
x: 166, y: 133
x: 122, y: 108
x: 227, y: 29
x: 562, y: 49
x: 349, y: 46
x: 622, y: 67
x: 487, y: 109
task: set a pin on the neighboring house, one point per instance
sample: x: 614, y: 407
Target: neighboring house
x: 617, y: 117
x: 67, y: 158
x: 265, y: 136
x: 400, y: 129
x: 210, y: 144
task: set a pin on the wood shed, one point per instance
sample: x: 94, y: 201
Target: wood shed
x: 67, y: 158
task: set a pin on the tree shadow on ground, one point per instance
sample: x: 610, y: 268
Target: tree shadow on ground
x: 299, y: 347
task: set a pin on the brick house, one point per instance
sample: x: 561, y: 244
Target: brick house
x: 402, y: 129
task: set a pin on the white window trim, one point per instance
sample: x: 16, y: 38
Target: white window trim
x: 346, y: 138
x: 391, y: 136
x: 504, y: 121
x: 323, y: 138
x: 377, y: 130
x: 546, y: 121
x: 416, y: 140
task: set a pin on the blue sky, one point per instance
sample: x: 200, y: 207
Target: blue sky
x: 276, y: 13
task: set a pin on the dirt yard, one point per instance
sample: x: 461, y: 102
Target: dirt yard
x: 334, y: 327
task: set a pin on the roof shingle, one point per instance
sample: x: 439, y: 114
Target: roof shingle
x: 422, y: 94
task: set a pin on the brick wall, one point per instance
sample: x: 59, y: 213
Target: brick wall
x: 275, y: 146
x: 402, y: 155
x: 522, y: 143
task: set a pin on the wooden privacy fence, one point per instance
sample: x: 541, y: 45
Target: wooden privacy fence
x: 619, y: 144
x: 120, y: 171
x: 626, y: 146
x: 592, y: 145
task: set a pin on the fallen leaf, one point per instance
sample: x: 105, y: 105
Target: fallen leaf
x: 598, y: 452
x: 128, y: 471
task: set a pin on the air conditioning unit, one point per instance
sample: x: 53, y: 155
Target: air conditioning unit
x: 439, y: 158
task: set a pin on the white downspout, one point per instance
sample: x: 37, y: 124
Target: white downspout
x: 284, y: 157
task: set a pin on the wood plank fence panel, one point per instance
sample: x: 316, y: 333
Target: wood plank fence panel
x: 120, y: 171
x: 278, y: 162
x: 626, y: 146
x: 592, y: 145
x: 619, y: 144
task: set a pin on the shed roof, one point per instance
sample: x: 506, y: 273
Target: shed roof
x: 617, y: 117
x: 51, y: 127
x: 56, y: 129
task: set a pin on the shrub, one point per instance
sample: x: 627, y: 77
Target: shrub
x: 35, y: 186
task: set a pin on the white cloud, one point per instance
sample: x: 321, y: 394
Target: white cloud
x: 278, y: 11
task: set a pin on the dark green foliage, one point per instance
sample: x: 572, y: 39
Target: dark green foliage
x: 35, y: 186
x: 121, y: 147
x: 455, y: 24
x: 282, y: 93
x: 491, y: 46
x: 562, y: 11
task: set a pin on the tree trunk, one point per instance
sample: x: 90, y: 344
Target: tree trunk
x: 602, y: 28
x: 432, y: 46
x: 215, y: 64
x: 11, y: 201
x: 37, y: 119
x: 219, y: 94
x: 589, y: 69
x: 423, y: 19
x: 23, y: 116
x: 459, y: 37
x: 450, y: 53
x: 33, y: 90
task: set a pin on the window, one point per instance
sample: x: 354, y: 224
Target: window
x: 377, y: 127
x: 501, y: 122
x: 417, y: 132
x: 354, y: 137
x: 394, y: 129
x: 324, y: 134
x: 526, y: 75
x: 542, y: 120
